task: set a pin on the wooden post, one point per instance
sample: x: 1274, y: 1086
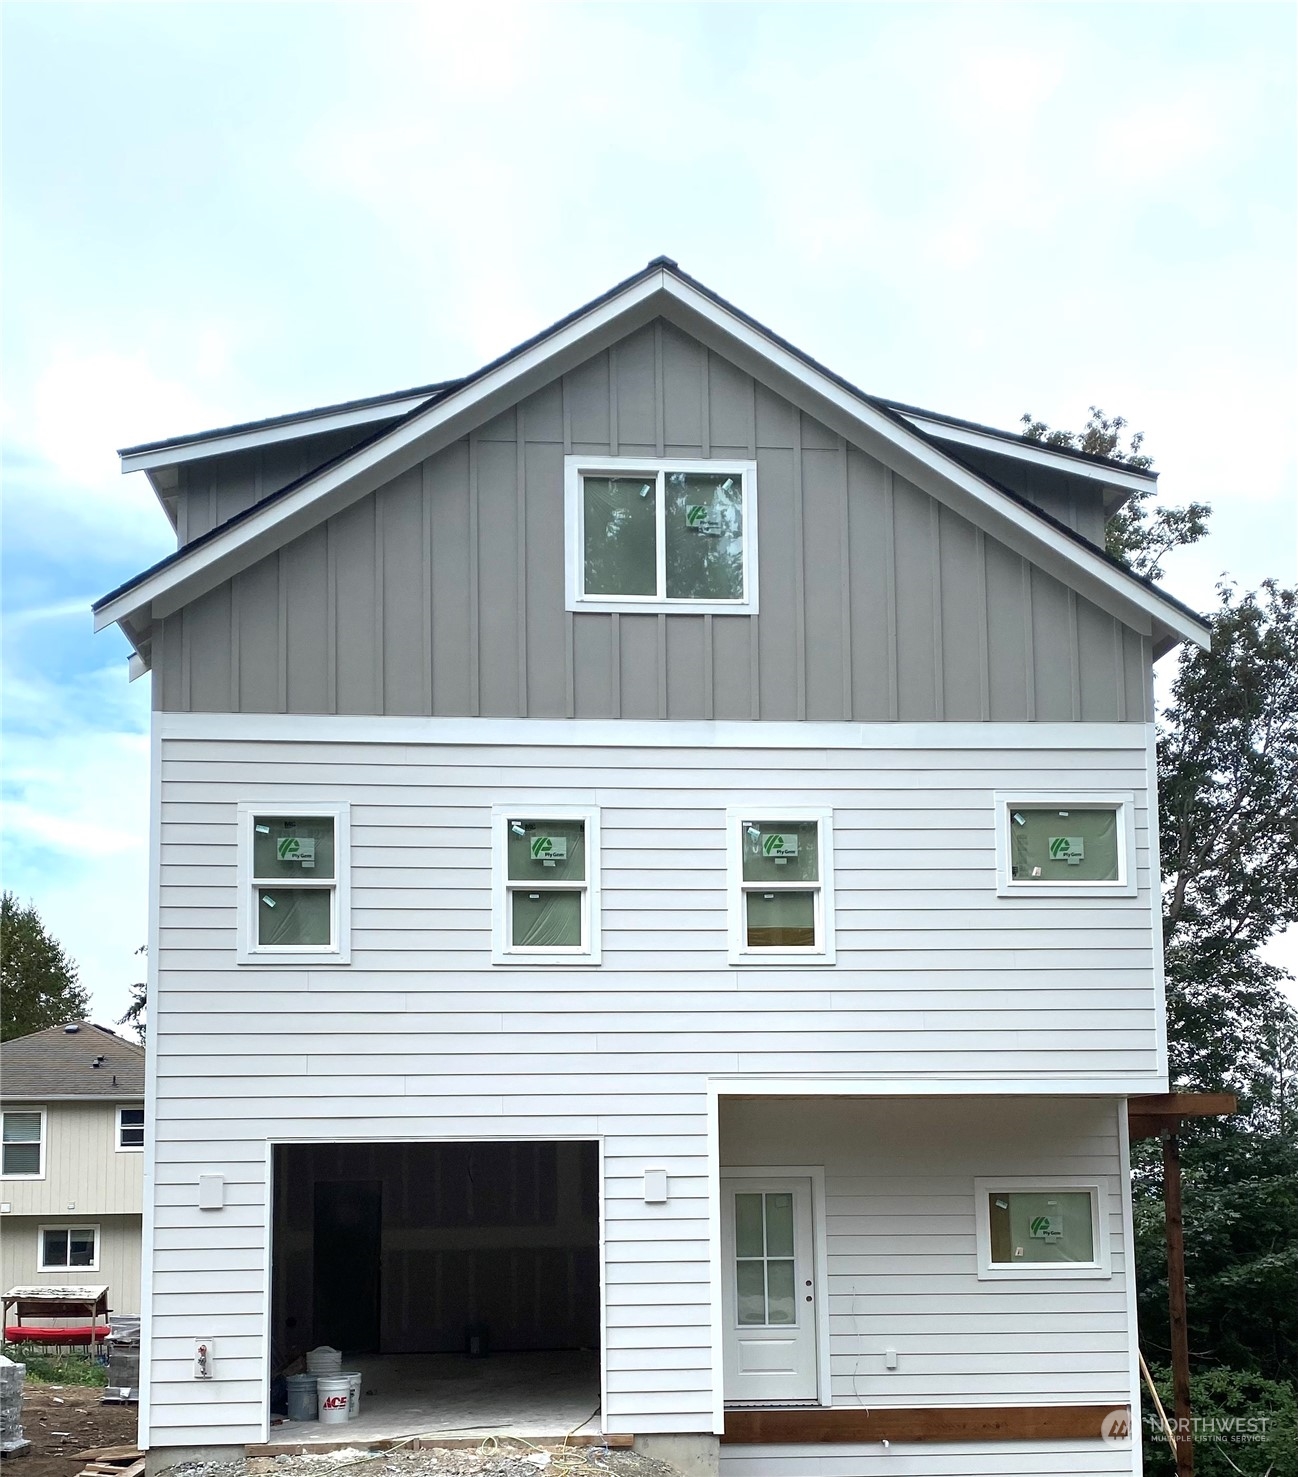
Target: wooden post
x: 1176, y: 1303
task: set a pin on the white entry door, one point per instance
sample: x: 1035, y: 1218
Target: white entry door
x: 768, y: 1291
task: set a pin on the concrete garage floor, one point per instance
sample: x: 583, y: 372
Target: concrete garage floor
x: 548, y: 1395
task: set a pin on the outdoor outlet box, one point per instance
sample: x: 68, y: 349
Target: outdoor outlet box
x: 655, y: 1187
x: 211, y: 1191
x: 890, y: 1358
x: 202, y: 1359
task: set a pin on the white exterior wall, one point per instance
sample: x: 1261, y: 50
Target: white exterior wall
x: 937, y: 981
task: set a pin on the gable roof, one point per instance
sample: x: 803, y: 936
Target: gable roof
x: 914, y: 443
x: 60, y: 1063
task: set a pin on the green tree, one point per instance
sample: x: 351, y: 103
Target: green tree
x: 136, y: 1016
x: 38, y: 982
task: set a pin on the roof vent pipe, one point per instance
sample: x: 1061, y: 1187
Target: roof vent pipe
x: 72, y: 1029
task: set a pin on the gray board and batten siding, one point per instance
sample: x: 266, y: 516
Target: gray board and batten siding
x: 442, y: 593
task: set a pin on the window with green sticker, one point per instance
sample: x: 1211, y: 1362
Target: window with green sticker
x: 544, y: 887
x: 295, y: 869
x: 780, y: 892
x: 1063, y: 845
x: 1043, y: 1229
x: 661, y: 533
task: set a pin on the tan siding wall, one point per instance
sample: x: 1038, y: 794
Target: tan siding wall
x: 119, y: 1256
x: 443, y: 592
x: 82, y: 1164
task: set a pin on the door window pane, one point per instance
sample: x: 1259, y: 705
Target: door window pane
x: 1064, y: 845
x: 1041, y: 1226
x: 546, y: 851
x: 780, y: 1293
x: 704, y: 530
x: 748, y: 1225
x: 779, y: 1225
x: 750, y: 1291
x: 292, y: 848
x: 783, y: 920
x: 620, y: 523
x: 546, y: 920
x: 294, y: 917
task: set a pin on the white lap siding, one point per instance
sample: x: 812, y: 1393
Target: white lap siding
x: 419, y: 1037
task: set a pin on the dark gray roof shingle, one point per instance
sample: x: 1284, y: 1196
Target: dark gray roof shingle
x: 59, y: 1063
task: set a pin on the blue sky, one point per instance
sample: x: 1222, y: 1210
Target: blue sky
x: 220, y: 212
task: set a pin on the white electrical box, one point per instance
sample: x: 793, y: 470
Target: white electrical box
x: 655, y: 1187
x: 890, y: 1358
x: 211, y: 1191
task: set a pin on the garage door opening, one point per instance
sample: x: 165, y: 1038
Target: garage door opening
x: 460, y: 1279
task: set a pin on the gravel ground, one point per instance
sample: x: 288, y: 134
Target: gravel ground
x: 491, y: 1459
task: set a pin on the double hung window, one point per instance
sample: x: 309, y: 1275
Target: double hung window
x: 294, y: 898
x: 661, y: 534
x: 781, y: 888
x: 546, y: 885
x: 130, y: 1128
x: 23, y: 1149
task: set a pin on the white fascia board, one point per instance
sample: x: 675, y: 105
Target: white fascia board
x: 727, y: 735
x: 369, y: 467
x: 931, y: 470
x: 954, y: 1086
x: 291, y: 429
x: 1037, y: 453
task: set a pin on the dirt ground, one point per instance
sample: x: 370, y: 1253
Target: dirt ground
x: 60, y: 1420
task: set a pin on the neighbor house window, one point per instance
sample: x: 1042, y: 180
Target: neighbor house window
x: 130, y: 1128
x: 661, y: 534
x: 781, y: 894
x: 546, y: 885
x: 294, y: 895
x: 1041, y: 1228
x: 24, y: 1143
x: 1065, y: 845
x: 66, y: 1248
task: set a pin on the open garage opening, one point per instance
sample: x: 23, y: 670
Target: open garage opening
x: 461, y: 1279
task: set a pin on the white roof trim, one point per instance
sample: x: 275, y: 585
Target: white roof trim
x: 1025, y: 451
x: 929, y: 467
x: 218, y: 443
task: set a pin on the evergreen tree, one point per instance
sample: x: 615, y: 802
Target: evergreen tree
x: 38, y: 982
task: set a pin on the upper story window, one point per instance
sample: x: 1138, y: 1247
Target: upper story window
x: 545, y: 892
x: 781, y: 886
x: 294, y: 897
x: 24, y: 1143
x: 653, y: 533
x: 1061, y: 845
x: 130, y: 1128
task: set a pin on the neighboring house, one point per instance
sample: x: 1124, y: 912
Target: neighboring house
x: 71, y: 1178
x: 652, y: 845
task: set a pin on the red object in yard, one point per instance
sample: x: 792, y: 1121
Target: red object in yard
x: 27, y: 1333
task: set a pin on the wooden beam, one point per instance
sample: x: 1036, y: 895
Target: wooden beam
x: 919, y: 1423
x: 1176, y: 1304
x: 1182, y: 1104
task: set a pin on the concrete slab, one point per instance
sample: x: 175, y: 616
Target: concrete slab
x: 528, y: 1395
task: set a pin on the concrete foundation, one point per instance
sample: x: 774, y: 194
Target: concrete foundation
x: 165, y: 1458
x: 692, y: 1454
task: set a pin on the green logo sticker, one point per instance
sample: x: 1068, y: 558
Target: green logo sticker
x: 295, y: 849
x: 779, y: 844
x: 1067, y: 848
x: 1046, y: 1228
x: 549, y: 848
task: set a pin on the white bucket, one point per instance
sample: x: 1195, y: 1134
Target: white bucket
x: 333, y: 1396
x: 353, y: 1378
x: 324, y: 1360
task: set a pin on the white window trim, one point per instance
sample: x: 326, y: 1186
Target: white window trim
x: 541, y: 809
x: 769, y: 808
x: 130, y: 1148
x: 67, y: 1226
x: 1122, y: 801
x: 249, y: 951
x: 1050, y: 1271
x: 19, y: 1108
x: 576, y: 467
